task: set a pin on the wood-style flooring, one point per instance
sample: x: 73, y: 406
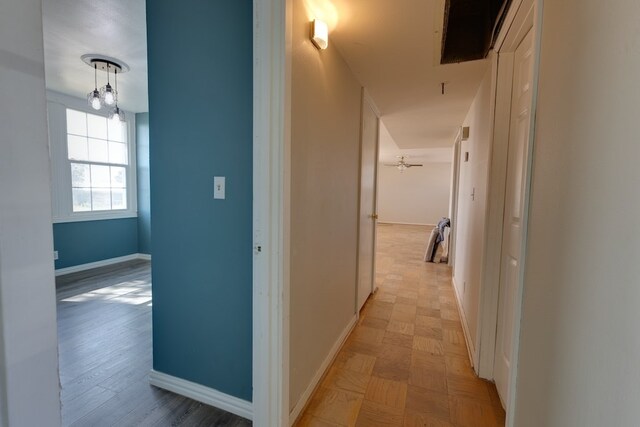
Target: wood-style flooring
x: 406, y: 361
x: 104, y: 340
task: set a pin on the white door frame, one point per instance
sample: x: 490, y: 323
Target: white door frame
x: 537, y: 28
x: 453, y: 202
x: 271, y: 118
x: 367, y: 100
x: 521, y: 17
x: 271, y: 153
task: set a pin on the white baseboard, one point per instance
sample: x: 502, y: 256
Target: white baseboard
x: 304, y: 398
x: 202, y: 394
x: 465, y: 327
x: 404, y: 223
x: 102, y: 263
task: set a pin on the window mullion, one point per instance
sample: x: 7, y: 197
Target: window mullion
x: 100, y: 167
x: 88, y: 162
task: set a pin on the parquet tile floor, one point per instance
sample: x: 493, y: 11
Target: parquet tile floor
x: 406, y: 362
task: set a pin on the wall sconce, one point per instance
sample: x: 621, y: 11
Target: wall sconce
x: 320, y: 34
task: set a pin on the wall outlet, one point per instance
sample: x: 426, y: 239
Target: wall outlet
x: 55, y: 255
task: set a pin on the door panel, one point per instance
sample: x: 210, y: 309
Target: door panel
x: 367, y: 220
x: 514, y: 205
x: 512, y: 276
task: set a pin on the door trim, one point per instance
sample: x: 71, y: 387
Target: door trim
x: 271, y: 153
x: 502, y: 64
x: 537, y: 28
x: 455, y: 190
x: 366, y: 99
x: 523, y: 16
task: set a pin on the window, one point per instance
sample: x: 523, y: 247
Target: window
x: 97, y: 152
x: 93, y: 162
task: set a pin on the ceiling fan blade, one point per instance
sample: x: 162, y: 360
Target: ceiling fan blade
x: 413, y: 164
x: 390, y: 164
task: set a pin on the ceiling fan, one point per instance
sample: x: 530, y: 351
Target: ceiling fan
x: 402, y: 165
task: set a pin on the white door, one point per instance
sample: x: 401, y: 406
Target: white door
x: 513, y: 211
x: 367, y: 220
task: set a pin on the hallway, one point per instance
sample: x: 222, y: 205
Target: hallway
x: 406, y: 362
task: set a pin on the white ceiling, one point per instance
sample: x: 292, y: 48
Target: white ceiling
x: 115, y: 28
x: 393, y: 48
x: 390, y: 152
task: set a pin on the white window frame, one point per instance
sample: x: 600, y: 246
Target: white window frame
x: 62, y: 209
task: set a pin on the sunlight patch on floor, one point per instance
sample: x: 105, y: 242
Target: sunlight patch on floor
x: 135, y: 293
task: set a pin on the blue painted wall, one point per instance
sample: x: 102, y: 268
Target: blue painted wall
x: 144, y: 203
x: 90, y: 241
x: 200, y: 106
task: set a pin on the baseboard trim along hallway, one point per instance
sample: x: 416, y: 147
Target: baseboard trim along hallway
x: 206, y: 395
x: 471, y: 349
x: 304, y: 399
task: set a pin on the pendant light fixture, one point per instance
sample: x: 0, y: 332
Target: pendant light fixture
x: 107, y: 95
x: 93, y: 97
x: 116, y: 113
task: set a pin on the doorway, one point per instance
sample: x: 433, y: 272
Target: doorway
x: 514, y: 86
x: 368, y: 201
x: 513, y: 213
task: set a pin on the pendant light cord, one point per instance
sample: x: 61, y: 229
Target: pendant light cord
x: 95, y: 74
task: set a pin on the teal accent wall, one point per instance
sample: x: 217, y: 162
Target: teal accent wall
x: 144, y: 203
x: 200, y: 111
x: 90, y: 241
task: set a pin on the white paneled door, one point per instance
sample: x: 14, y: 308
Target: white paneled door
x: 368, y: 216
x: 513, y: 211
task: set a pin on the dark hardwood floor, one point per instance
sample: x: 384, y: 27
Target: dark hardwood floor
x: 104, y: 339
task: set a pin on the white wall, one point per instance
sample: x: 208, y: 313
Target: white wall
x: 473, y: 179
x: 29, y: 357
x: 579, y: 342
x: 325, y: 153
x: 419, y: 195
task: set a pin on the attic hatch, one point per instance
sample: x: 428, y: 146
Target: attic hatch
x: 470, y: 28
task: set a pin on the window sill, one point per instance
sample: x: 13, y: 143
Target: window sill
x: 95, y: 216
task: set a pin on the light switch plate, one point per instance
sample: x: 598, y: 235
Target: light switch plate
x: 218, y: 187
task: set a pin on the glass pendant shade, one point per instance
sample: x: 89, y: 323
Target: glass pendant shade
x: 117, y: 114
x: 94, y: 100
x: 108, y: 95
